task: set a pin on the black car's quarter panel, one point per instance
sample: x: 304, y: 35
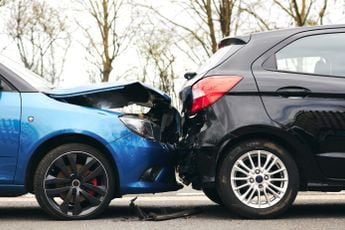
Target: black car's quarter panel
x: 215, y: 126
x: 309, y: 106
x: 212, y: 128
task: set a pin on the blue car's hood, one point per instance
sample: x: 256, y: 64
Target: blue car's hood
x: 112, y: 95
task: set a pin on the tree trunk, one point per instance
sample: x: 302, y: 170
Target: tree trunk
x: 208, y: 8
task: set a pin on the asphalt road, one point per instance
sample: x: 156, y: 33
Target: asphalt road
x: 310, y: 211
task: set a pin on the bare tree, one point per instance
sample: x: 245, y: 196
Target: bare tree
x: 299, y: 12
x: 209, y: 21
x: 105, y: 43
x: 157, y: 50
x: 260, y: 12
x: 41, y: 37
x: 212, y: 12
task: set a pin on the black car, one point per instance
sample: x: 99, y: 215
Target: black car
x: 265, y: 118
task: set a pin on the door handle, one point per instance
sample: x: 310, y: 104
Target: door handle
x: 293, y: 91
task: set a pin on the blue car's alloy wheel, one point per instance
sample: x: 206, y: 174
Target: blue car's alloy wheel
x: 74, y: 181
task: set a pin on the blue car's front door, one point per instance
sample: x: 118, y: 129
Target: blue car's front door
x: 10, y: 113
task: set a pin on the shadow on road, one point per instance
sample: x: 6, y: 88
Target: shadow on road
x: 297, y: 211
x: 215, y: 212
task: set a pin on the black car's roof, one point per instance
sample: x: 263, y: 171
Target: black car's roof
x: 291, y: 31
x: 282, y: 33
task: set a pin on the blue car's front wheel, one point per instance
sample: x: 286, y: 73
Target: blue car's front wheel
x: 74, y: 181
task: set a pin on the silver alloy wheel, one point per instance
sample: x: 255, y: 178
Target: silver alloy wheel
x: 259, y: 179
x: 76, y: 183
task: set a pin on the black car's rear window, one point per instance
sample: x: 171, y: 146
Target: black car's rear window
x: 218, y: 57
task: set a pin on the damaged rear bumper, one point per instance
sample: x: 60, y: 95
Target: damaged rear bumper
x: 198, y: 150
x: 197, y: 166
x: 205, y: 136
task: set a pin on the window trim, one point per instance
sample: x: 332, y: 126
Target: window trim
x: 10, y: 86
x: 303, y: 73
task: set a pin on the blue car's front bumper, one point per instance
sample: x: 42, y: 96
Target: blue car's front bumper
x: 144, y: 166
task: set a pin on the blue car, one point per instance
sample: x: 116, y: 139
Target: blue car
x: 76, y: 149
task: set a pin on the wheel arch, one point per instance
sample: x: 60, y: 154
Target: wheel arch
x: 293, y: 145
x: 62, y: 139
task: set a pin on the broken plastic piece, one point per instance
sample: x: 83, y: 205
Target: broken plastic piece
x: 140, y: 213
x: 161, y: 217
x: 179, y: 214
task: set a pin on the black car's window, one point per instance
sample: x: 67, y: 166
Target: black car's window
x: 218, y: 56
x: 319, y: 54
x: 4, y: 86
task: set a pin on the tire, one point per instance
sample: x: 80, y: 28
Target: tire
x: 212, y: 194
x: 266, y: 191
x: 74, y: 181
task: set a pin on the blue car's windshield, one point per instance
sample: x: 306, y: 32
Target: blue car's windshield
x: 30, y: 77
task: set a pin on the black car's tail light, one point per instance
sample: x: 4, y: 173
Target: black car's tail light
x: 208, y: 90
x: 142, y: 126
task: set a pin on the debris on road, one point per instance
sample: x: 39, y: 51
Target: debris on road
x: 165, y: 215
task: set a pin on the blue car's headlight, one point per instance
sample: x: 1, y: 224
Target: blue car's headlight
x: 142, y: 126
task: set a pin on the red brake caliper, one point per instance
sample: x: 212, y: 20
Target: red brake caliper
x: 94, y: 183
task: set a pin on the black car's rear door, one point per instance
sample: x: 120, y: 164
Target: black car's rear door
x: 302, y: 85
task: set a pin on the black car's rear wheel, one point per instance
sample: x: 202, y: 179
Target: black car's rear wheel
x: 258, y: 179
x: 212, y: 194
x: 74, y: 181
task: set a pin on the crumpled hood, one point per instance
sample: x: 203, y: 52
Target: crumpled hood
x: 112, y: 95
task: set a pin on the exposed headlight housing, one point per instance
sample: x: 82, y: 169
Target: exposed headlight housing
x: 142, y: 126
